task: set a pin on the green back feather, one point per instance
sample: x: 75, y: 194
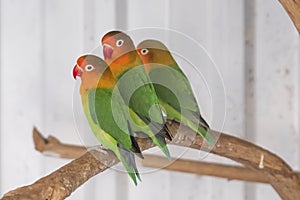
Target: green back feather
x: 114, y: 125
x: 100, y: 105
x: 181, y: 95
x: 139, y: 94
x: 177, y: 97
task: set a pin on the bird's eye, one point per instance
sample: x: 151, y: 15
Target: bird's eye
x: 89, y: 68
x: 144, y: 51
x: 119, y: 43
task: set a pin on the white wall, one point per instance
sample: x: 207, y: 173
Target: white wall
x: 253, y: 43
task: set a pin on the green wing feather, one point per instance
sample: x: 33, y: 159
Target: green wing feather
x: 121, y: 141
x: 102, y: 114
x: 139, y: 94
x: 137, y: 90
x: 176, y: 95
x: 177, y: 82
x: 140, y: 126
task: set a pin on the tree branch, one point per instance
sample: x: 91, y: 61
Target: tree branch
x: 53, y: 146
x: 229, y: 172
x: 61, y: 183
x: 292, y: 7
x: 196, y: 167
x: 65, y: 180
x: 277, y: 172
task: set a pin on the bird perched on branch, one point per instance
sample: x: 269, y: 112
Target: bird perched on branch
x: 135, y: 87
x: 172, y: 87
x: 111, y: 129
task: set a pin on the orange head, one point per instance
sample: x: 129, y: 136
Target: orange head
x: 92, y: 71
x: 154, y: 52
x: 115, y: 44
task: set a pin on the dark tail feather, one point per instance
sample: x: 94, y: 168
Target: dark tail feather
x: 130, y: 164
x: 161, y: 133
x: 165, y: 133
x: 135, y: 147
x: 201, y: 120
x: 162, y: 129
x: 161, y: 138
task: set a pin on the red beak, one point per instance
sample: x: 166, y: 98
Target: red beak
x: 76, y: 71
x: 107, y: 51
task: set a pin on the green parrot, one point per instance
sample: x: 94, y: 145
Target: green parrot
x: 135, y: 87
x: 178, y: 99
x: 96, y: 89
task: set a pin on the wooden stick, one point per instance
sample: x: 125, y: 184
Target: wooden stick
x: 229, y: 172
x: 61, y: 183
x: 54, y: 147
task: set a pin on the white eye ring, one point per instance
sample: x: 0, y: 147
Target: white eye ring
x: 119, y: 43
x: 89, y: 68
x: 144, y: 51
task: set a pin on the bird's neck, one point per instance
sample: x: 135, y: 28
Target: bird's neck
x: 163, y: 57
x: 106, y: 81
x: 124, y: 63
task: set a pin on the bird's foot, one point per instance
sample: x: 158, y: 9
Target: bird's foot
x: 101, y: 147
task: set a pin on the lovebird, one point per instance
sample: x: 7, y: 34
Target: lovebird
x: 96, y: 89
x: 175, y: 93
x: 135, y: 87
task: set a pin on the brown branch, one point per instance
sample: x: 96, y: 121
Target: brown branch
x: 61, y: 183
x: 292, y: 7
x: 203, y: 168
x: 196, y: 167
x: 277, y: 172
x: 273, y: 168
x: 229, y: 172
x: 52, y: 145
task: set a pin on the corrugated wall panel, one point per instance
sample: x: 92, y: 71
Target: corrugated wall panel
x: 276, y: 84
x: 63, y: 42
x: 21, y: 91
x: 219, y: 27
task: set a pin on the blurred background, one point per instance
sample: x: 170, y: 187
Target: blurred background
x: 253, y: 43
